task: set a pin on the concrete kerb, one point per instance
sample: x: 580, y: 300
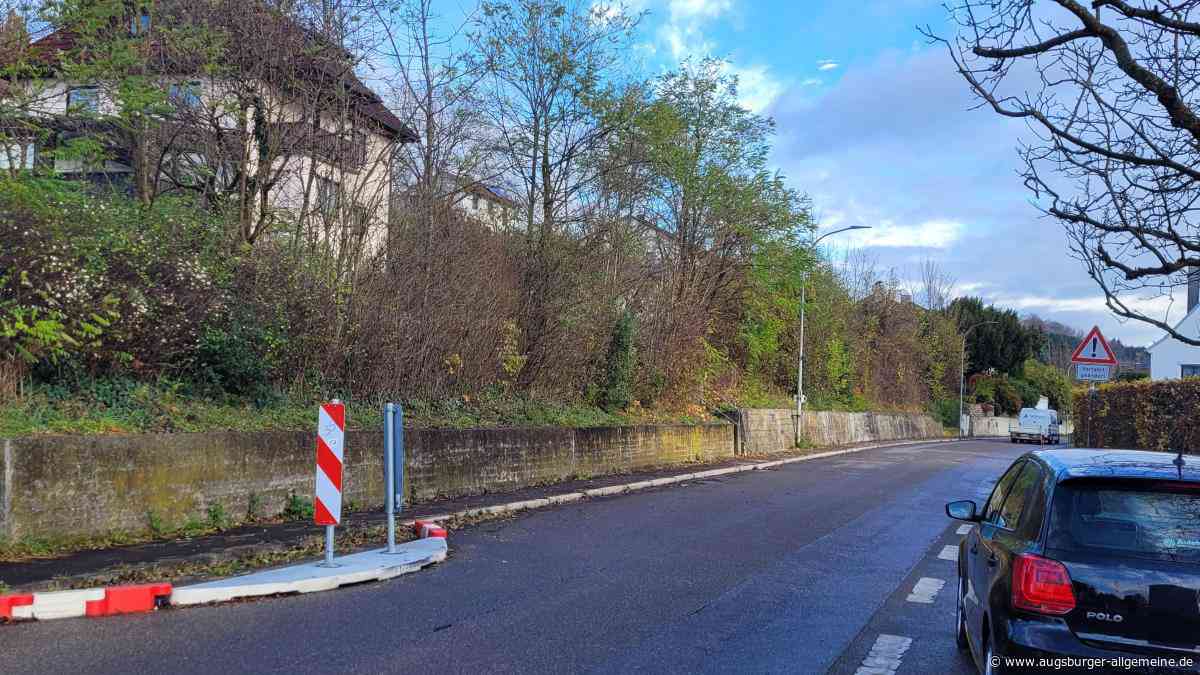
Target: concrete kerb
x: 376, y: 565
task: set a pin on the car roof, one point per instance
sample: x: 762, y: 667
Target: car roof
x: 1068, y: 463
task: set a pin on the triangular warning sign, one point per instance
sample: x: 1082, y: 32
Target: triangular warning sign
x: 1094, y: 350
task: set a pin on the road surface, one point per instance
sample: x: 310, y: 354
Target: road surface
x: 799, y: 569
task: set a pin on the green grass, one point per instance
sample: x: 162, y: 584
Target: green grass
x: 126, y: 407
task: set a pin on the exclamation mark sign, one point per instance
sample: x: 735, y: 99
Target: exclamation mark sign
x: 1094, y: 341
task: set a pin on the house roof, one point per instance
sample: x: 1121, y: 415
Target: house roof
x: 488, y: 192
x: 52, y: 46
x: 1194, y: 314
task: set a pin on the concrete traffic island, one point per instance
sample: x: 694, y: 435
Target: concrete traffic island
x: 312, y: 577
x: 309, y: 577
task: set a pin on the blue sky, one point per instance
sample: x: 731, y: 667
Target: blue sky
x: 874, y: 124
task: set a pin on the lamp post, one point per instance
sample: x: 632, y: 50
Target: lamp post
x: 962, y: 373
x: 803, y: 302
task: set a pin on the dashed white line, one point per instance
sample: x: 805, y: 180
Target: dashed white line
x: 949, y: 552
x: 884, y: 657
x: 925, y: 590
x: 963, y: 529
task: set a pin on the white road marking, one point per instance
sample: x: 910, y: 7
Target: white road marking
x: 885, y: 655
x: 926, y: 589
x: 949, y: 553
x: 963, y: 529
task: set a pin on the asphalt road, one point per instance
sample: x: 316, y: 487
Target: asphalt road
x: 798, y: 569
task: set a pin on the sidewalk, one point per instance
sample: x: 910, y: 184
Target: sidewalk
x: 249, y: 540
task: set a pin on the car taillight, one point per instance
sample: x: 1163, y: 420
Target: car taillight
x: 1041, y: 585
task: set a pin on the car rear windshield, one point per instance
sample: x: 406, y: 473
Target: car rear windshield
x: 1143, y: 519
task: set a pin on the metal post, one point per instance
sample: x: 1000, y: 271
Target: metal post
x: 962, y: 378
x: 329, y: 547
x: 812, y: 247
x: 1091, y: 402
x: 800, y: 363
x: 962, y: 373
x: 389, y: 459
x: 398, y: 447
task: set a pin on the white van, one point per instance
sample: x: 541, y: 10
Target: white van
x: 1035, y: 425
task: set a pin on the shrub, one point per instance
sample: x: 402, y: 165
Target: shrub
x: 217, y: 518
x: 945, y: 410
x: 231, y: 360
x: 618, y: 366
x: 1143, y: 415
x: 297, y: 508
x: 1027, y: 391
x: 97, y: 282
x: 1052, y: 383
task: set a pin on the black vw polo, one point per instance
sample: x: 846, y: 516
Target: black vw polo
x: 1081, y: 555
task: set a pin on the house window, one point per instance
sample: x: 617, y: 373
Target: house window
x: 361, y: 217
x: 139, y: 24
x: 83, y: 99
x: 1189, y: 370
x: 358, y: 149
x: 474, y: 202
x: 185, y: 94
x: 328, y: 193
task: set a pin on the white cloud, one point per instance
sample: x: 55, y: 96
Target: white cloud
x: 826, y: 64
x: 1043, y: 304
x: 972, y: 287
x: 708, y: 9
x: 757, y: 87
x: 938, y: 234
x: 1161, y: 306
x: 683, y: 31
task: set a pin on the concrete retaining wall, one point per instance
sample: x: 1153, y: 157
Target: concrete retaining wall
x: 447, y: 463
x: 92, y: 484
x: 767, y: 431
x: 990, y: 426
x: 56, y: 485
x: 981, y: 427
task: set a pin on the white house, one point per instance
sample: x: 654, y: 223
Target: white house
x: 1172, y: 359
x: 486, y: 204
x: 329, y: 138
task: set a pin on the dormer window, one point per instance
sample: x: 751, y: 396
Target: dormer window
x: 139, y: 24
x: 83, y: 99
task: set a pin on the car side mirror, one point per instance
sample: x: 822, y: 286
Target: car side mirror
x: 962, y: 510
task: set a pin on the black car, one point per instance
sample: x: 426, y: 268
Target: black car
x: 1084, y: 554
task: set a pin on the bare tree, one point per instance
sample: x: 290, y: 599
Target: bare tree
x: 859, y: 272
x: 936, y: 288
x: 438, y: 87
x: 551, y: 63
x: 1109, y: 91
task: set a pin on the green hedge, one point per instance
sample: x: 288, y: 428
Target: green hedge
x: 1140, y: 415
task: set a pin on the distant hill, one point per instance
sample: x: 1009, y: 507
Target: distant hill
x: 1061, y: 340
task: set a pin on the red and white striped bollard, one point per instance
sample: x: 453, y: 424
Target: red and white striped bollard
x: 327, y: 504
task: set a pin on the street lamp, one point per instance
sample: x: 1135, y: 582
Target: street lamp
x: 962, y: 373
x: 803, y: 302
